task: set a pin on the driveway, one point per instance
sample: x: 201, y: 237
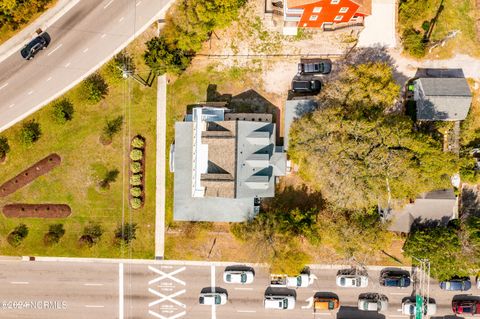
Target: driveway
x: 380, y: 26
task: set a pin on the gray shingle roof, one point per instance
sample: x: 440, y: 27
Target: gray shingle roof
x: 295, y: 109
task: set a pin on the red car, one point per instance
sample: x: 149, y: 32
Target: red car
x: 468, y: 307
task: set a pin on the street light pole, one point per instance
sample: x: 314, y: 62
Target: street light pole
x: 422, y: 298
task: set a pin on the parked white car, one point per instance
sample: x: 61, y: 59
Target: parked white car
x: 213, y: 298
x: 372, y: 304
x: 279, y: 302
x: 302, y: 280
x: 409, y: 308
x: 238, y: 276
x: 352, y: 281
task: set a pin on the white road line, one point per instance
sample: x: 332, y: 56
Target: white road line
x: 49, y: 78
x: 121, y: 19
x: 68, y: 64
x: 164, y: 275
x: 1, y: 87
x: 92, y: 284
x: 19, y: 282
x: 108, y: 4
x: 85, y: 51
x: 163, y: 298
x: 103, y: 35
x: 247, y: 311
x: 94, y: 306
x: 56, y: 48
x: 138, y: 3
x: 242, y: 288
x: 156, y: 315
x: 11, y: 105
x: 30, y: 92
x: 120, y: 291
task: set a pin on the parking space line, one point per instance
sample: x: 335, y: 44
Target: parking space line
x: 56, y: 48
x: 49, y: 78
x: 11, y: 105
x: 121, y: 19
x: 108, y: 4
x: 103, y: 35
x: 85, y: 51
x: 30, y: 92
x: 19, y: 282
x: 92, y: 284
x: 67, y: 65
x: 1, y: 87
x: 138, y: 3
x: 94, y: 306
x: 246, y: 311
x: 243, y: 288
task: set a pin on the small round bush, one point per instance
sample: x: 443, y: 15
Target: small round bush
x: 136, y: 180
x: 94, y: 88
x: 136, y: 202
x: 136, y: 167
x: 138, y: 142
x: 136, y: 155
x: 62, y: 111
x: 30, y: 132
x: 135, y: 191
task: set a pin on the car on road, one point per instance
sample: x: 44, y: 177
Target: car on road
x: 302, y: 280
x: 352, y: 281
x: 279, y: 302
x: 456, y: 284
x: 232, y: 276
x: 306, y: 86
x: 315, y: 67
x: 325, y: 303
x: 409, y: 307
x: 29, y: 51
x: 213, y: 298
x: 374, y: 302
x: 466, y: 307
x: 394, y: 279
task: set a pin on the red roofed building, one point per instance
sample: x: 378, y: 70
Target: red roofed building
x: 324, y: 13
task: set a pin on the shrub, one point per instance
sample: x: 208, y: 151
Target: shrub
x: 91, y: 235
x: 126, y: 233
x: 413, y: 42
x: 135, y: 167
x: 136, y: 155
x: 30, y: 132
x: 121, y: 62
x: 94, y: 88
x: 111, y: 128
x: 136, y: 202
x: 110, y: 177
x: 62, y: 111
x: 17, y: 235
x: 55, y: 232
x: 163, y: 57
x: 138, y: 142
x: 135, y: 191
x: 4, y: 147
x: 136, y: 179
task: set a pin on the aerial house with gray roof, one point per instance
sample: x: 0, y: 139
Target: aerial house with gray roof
x: 223, y: 163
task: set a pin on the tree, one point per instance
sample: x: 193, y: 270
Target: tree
x: 163, y: 57
x: 413, y: 42
x: 355, y: 162
x: 30, y: 132
x: 62, y: 111
x: 94, y: 88
x: 55, y: 232
x: 126, y: 233
x: 111, y: 128
x: 17, y: 235
x: 110, y: 177
x: 123, y: 61
x: 4, y: 148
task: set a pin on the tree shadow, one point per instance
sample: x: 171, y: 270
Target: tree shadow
x: 420, y: 224
x: 432, y: 23
x: 291, y: 198
x: 470, y: 203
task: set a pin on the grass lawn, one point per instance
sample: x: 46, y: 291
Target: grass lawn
x: 84, y: 161
x: 456, y: 15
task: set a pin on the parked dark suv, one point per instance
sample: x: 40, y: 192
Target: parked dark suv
x: 29, y: 51
x: 394, y: 279
x: 315, y: 67
x: 306, y: 86
x: 456, y: 284
x: 467, y: 307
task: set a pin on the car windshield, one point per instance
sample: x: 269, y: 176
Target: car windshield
x: 285, y: 304
x: 229, y: 277
x: 217, y: 299
x: 342, y: 281
x: 243, y: 277
x: 299, y: 281
x: 412, y: 309
x: 331, y: 305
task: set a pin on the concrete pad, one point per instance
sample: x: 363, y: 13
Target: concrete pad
x: 160, y: 169
x: 380, y: 26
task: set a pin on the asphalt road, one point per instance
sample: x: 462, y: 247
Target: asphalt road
x: 161, y: 290
x: 81, y: 40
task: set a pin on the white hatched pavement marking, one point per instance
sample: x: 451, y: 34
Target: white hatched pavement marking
x: 108, y: 4
x: 164, y: 275
x: 138, y: 3
x: 166, y: 297
x: 1, y: 87
x: 178, y: 315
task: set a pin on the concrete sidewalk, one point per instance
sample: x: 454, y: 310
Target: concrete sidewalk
x: 160, y: 169
x: 380, y: 26
x: 48, y: 18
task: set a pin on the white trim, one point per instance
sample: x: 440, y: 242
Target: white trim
x: 334, y: 1
x: 317, y: 10
x: 338, y: 18
x: 313, y: 17
x: 343, y: 10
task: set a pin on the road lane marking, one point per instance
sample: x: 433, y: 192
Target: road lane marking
x: 165, y: 298
x: 321, y: 313
x: 30, y: 92
x: 68, y: 64
x: 156, y: 315
x: 94, y: 306
x: 121, y: 19
x: 120, y: 291
x: 138, y: 3
x: 108, y: 4
x: 242, y: 288
x: 164, y: 275
x: 49, y: 78
x: 92, y: 284
x: 11, y: 105
x: 247, y: 311
x: 85, y: 51
x: 310, y: 303
x: 103, y: 35
x: 56, y: 48
x: 1, y: 87
x: 19, y: 282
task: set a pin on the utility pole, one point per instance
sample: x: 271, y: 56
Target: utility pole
x: 422, y: 292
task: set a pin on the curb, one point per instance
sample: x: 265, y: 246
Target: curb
x: 43, y: 22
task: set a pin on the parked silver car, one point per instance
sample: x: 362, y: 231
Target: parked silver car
x: 374, y: 302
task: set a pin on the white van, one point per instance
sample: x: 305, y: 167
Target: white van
x: 279, y: 302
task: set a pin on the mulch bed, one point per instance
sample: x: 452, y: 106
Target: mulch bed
x: 30, y: 174
x: 142, y: 161
x: 37, y: 210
